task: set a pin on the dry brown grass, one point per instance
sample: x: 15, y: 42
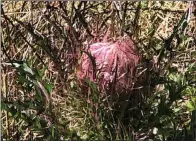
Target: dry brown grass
x: 50, y: 36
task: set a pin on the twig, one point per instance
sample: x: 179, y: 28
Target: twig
x: 84, y: 23
x: 158, y: 9
x: 124, y: 17
x: 118, y: 9
x: 136, y: 20
x: 23, y: 39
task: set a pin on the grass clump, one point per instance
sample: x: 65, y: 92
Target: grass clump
x: 41, y: 97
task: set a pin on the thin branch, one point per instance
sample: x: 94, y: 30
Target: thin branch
x: 124, y: 17
x: 82, y: 20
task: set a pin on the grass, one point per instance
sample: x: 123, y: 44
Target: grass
x: 42, y: 98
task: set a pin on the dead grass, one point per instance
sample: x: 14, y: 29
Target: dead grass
x: 50, y: 35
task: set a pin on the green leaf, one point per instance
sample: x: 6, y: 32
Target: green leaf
x: 27, y: 69
x: 53, y: 130
x: 4, y: 106
x: 41, y: 72
x: 190, y: 105
x: 22, y: 79
x: 48, y: 87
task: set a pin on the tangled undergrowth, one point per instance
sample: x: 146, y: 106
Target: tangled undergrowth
x: 41, y: 98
